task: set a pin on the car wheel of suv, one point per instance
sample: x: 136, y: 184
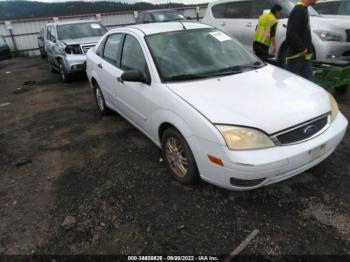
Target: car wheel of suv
x: 100, y: 101
x: 51, y: 68
x: 178, y: 157
x: 64, y: 75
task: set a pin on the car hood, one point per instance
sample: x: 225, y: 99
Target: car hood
x: 270, y: 99
x: 82, y: 41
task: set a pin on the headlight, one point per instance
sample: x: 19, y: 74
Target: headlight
x: 73, y: 50
x: 329, y: 36
x: 334, y: 106
x: 241, y: 138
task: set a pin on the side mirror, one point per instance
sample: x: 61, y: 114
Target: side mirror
x: 188, y: 18
x: 133, y: 76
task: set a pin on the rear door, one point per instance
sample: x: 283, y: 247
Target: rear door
x: 108, y: 68
x: 233, y: 17
x: 239, y: 23
x: 257, y: 9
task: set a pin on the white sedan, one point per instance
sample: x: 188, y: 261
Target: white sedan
x: 217, y: 112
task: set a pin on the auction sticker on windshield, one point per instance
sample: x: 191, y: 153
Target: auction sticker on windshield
x: 220, y: 36
x: 95, y: 26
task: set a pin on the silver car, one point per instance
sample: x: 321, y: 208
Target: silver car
x: 66, y: 44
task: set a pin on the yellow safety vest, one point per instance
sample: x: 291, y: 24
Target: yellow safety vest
x: 263, y: 30
x: 308, y: 56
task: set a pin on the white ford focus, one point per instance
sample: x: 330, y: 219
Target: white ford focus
x: 216, y: 111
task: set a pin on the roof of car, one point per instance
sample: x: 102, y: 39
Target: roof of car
x: 68, y: 22
x: 155, y: 28
x: 159, y: 11
x: 224, y: 1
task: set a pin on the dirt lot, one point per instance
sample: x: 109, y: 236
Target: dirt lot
x: 59, y: 158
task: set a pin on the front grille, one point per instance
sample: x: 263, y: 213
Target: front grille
x: 347, y: 35
x: 303, y: 132
x: 86, y: 48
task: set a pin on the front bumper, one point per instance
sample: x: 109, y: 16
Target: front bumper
x: 332, y: 49
x: 75, y: 63
x: 245, y: 170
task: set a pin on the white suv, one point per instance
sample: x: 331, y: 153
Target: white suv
x: 330, y: 37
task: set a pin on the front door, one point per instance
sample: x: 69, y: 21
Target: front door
x: 133, y: 97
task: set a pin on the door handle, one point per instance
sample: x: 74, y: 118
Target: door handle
x: 100, y: 66
x: 120, y: 80
x: 249, y: 25
x: 284, y: 25
x: 223, y: 23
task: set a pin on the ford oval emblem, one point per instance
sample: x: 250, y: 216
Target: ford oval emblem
x: 309, y: 130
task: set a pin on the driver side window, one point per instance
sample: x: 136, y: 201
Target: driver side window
x: 133, y: 57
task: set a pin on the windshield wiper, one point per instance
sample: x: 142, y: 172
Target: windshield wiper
x: 185, y: 77
x: 222, y: 72
x: 236, y: 69
x: 255, y: 65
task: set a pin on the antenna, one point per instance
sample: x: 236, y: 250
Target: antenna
x: 183, y: 26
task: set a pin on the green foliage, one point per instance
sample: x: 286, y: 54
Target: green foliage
x: 10, y: 10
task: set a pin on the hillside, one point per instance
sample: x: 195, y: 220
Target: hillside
x: 10, y: 10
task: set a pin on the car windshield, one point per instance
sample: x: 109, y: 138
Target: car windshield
x: 81, y: 30
x: 198, y: 53
x: 168, y: 16
x: 312, y: 11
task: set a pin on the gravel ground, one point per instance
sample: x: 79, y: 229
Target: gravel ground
x: 74, y: 182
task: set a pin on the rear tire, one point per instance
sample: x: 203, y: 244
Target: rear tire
x: 100, y: 101
x: 178, y: 157
x: 42, y: 53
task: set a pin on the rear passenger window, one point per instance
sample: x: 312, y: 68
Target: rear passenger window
x: 110, y: 52
x: 132, y: 56
x: 219, y: 10
x: 258, y: 7
x: 238, y: 9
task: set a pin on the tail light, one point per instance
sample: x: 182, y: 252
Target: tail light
x: 73, y: 50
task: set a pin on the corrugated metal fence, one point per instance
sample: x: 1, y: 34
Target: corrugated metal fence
x: 21, y: 35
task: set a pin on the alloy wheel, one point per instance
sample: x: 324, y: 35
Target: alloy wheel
x: 176, y: 157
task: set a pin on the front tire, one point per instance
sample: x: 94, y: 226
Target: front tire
x: 100, y: 101
x: 51, y: 67
x: 66, y: 77
x: 178, y: 157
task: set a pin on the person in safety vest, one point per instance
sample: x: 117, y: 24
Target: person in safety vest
x: 265, y: 33
x: 299, y: 41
